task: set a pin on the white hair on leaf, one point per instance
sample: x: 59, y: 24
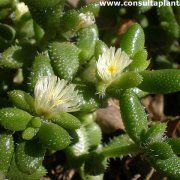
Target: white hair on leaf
x: 53, y: 96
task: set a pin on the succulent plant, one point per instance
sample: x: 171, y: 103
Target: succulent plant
x: 64, y: 72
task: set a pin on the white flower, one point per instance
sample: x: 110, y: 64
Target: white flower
x: 86, y: 20
x: 111, y: 64
x: 53, y: 96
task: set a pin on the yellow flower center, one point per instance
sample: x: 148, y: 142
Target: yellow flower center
x: 112, y: 69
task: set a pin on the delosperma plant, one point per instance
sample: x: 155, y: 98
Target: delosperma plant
x: 56, y: 72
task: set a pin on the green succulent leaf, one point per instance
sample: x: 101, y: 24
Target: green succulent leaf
x: 119, y: 146
x: 47, y: 18
x: 67, y: 121
x: 160, y: 81
x: 7, y: 32
x: 41, y: 67
x: 29, y: 156
x: 64, y: 59
x: 72, y: 17
x: 139, y: 92
x: 33, y: 128
x: 89, y: 102
x: 6, y: 151
x: 53, y: 136
x: 89, y: 74
x: 133, y: 40
x: 95, y: 164
x: 86, y: 42
x: 21, y: 100
x: 29, y: 133
x: 100, y: 48
x: 87, y: 118
x: 15, y: 174
x: 38, y: 31
x: 154, y: 134
x: 24, y: 26
x: 78, y: 150
x: 92, y: 7
x: 12, y: 58
x: 36, y: 122
x: 139, y: 62
x: 133, y: 79
x: 14, y: 119
x: 162, y: 157
x: 168, y: 20
x: 175, y: 144
x: 94, y: 135
x: 133, y: 115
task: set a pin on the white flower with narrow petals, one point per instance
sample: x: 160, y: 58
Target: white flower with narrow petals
x: 53, y: 96
x: 111, y: 64
x: 86, y: 20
